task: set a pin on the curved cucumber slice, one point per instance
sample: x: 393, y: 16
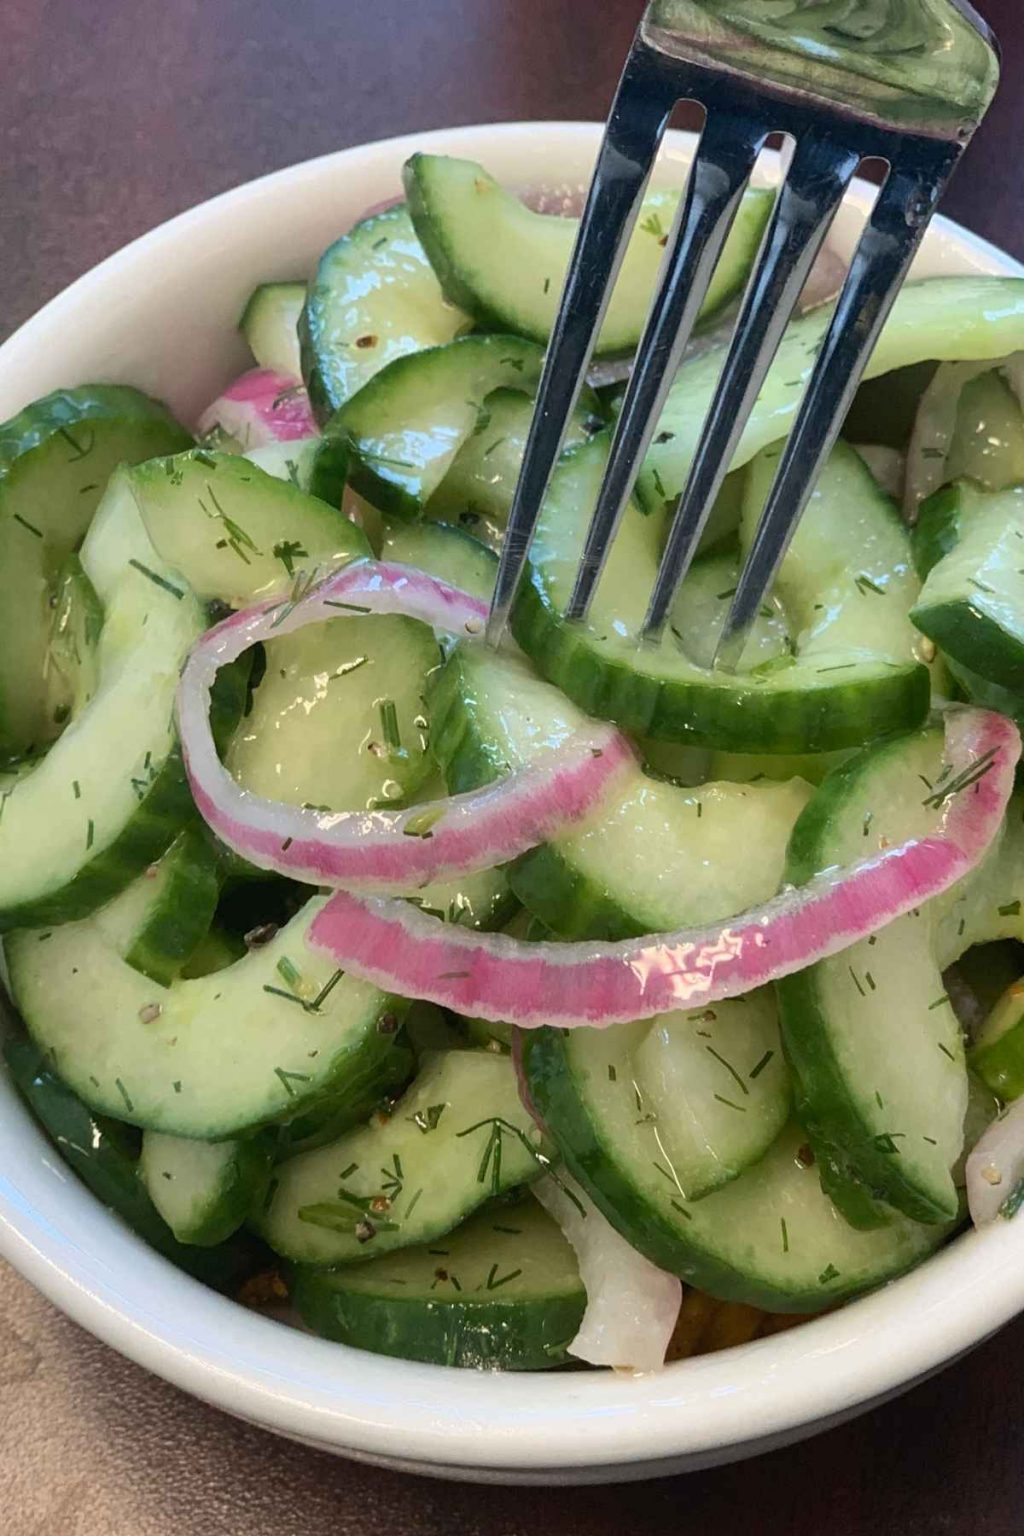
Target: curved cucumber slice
x: 234, y: 532
x: 396, y: 440
x: 443, y: 551
x: 274, y: 1034
x: 159, y: 922
x: 71, y: 665
x: 655, y: 857
x: 477, y: 490
x: 505, y: 1294
x: 770, y: 1238
x: 269, y: 322
x: 851, y: 676
x: 988, y: 441
x: 972, y: 602
x: 104, y: 1156
x: 870, y: 1034
x: 458, y: 1137
x: 506, y: 265
x: 997, y: 1055
x: 954, y: 318
x: 88, y: 818
x: 291, y: 461
x: 204, y: 1190
x: 374, y: 298
x: 360, y: 682
x: 55, y: 459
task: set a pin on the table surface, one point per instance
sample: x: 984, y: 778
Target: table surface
x: 113, y: 117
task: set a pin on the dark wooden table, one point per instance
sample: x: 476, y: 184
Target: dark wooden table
x: 115, y: 114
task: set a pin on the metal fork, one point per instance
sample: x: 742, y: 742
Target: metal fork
x: 845, y: 80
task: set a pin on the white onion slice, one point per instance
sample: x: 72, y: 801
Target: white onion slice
x: 632, y: 1306
x: 995, y: 1167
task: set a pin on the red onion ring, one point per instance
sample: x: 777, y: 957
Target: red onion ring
x: 497, y: 977
x: 383, y: 850
x: 261, y: 407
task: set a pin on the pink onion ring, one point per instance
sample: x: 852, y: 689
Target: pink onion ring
x: 497, y: 977
x: 261, y: 407
x: 383, y: 850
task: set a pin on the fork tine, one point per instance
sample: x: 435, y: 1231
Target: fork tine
x: 636, y: 125
x: 721, y: 169
x: 897, y: 225
x: 820, y: 171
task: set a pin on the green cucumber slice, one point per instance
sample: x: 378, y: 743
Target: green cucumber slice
x: 291, y: 461
x: 504, y: 1294
x: 269, y: 322
x: 972, y: 602
x: 997, y: 1054
x: 87, y: 818
x: 104, y: 1156
x: 397, y: 438
x: 654, y: 857
x: 55, y: 459
x: 988, y: 441
x: 160, y: 920
x: 852, y: 674
x: 374, y: 298
x: 204, y: 1190
x: 444, y: 551
x: 477, y: 490
x: 276, y: 1033
x: 235, y: 533
x: 505, y: 265
x: 771, y: 1238
x: 955, y: 318
x: 361, y: 683
x: 458, y: 1137
x: 871, y: 1034
x: 71, y: 664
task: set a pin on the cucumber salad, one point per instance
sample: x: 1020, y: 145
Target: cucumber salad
x: 566, y: 1002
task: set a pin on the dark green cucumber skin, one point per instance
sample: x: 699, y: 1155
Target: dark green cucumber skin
x: 149, y: 833
x: 466, y: 1331
x: 104, y: 1156
x: 549, y: 1083
x: 1001, y: 1065
x: 546, y: 883
x: 254, y: 1162
x: 937, y: 531
x: 166, y: 944
x: 379, y: 1081
x: 65, y: 409
x: 744, y: 718
x: 819, y: 1076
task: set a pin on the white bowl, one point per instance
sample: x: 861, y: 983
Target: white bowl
x: 160, y: 314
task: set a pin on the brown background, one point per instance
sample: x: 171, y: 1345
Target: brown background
x: 115, y: 114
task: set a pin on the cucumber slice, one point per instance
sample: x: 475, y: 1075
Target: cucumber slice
x: 505, y: 265
x: 884, y: 1083
x: 852, y: 674
x: 957, y: 318
x: 291, y: 461
x: 770, y: 1238
x: 360, y: 682
x: 997, y: 1055
x: 71, y: 664
x: 374, y: 298
x: 988, y: 441
x: 269, y: 322
x: 972, y: 604
x: 396, y: 440
x: 204, y: 1190
x: 501, y: 1292
x: 458, y: 1137
x: 160, y: 920
x: 654, y: 857
x: 104, y: 1156
x: 235, y: 533
x: 443, y: 551
x: 55, y: 459
x: 88, y: 817
x: 274, y: 1034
